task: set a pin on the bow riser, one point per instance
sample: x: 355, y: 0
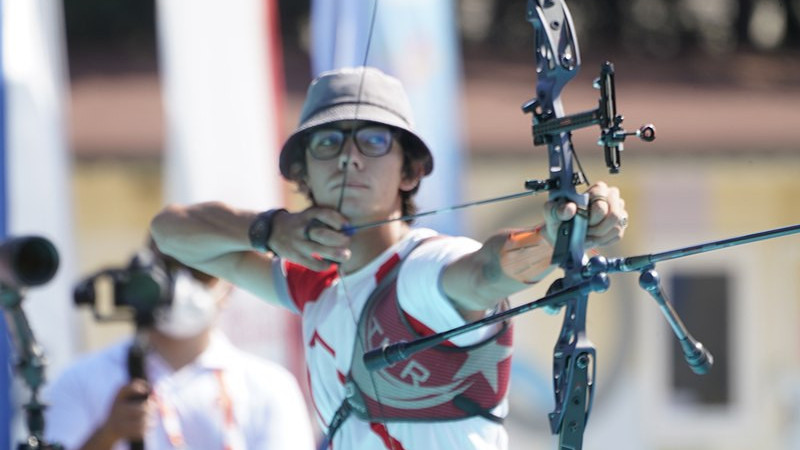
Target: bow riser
x: 557, y: 62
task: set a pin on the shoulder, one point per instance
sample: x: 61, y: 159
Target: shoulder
x: 304, y: 285
x: 439, y: 248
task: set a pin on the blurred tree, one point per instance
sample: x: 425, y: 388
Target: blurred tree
x: 110, y: 35
x: 124, y: 30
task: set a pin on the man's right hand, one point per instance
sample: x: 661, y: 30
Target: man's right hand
x: 311, y: 238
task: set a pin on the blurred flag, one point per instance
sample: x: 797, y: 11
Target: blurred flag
x: 415, y: 41
x: 222, y: 78
x: 36, y: 172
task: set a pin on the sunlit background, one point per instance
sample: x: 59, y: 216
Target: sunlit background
x: 115, y: 107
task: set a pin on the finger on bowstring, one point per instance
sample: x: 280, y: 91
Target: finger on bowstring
x: 332, y: 255
x: 329, y: 218
x: 312, y: 261
x: 321, y: 233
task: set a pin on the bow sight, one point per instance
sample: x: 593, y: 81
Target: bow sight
x: 612, y: 136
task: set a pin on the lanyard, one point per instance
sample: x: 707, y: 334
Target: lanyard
x: 232, y: 436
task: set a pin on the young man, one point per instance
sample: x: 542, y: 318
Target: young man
x: 357, y: 157
x: 201, y: 391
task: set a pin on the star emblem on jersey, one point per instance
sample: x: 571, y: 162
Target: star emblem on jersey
x: 484, y: 360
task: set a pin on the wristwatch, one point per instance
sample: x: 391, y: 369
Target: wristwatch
x: 261, y: 229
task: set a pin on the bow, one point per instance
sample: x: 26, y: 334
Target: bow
x: 557, y: 62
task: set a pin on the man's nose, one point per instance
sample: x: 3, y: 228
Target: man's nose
x: 350, y: 154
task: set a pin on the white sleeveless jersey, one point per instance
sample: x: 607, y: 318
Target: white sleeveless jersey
x: 330, y: 309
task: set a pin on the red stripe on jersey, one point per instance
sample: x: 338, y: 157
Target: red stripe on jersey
x: 342, y: 378
x: 305, y: 285
x: 422, y: 329
x: 386, y: 267
x: 316, y: 338
x: 313, y: 403
x: 390, y: 442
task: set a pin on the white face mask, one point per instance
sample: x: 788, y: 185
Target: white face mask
x: 192, y: 311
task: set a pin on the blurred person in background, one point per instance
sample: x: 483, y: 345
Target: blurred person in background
x: 356, y: 156
x: 201, y: 392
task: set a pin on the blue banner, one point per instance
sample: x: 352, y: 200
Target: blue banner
x: 6, y: 412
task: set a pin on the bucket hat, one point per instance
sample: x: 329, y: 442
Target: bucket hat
x: 355, y: 93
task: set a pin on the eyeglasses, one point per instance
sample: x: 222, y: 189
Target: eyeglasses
x: 371, y: 140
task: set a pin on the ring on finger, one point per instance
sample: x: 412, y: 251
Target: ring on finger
x: 623, y: 222
x: 598, y: 198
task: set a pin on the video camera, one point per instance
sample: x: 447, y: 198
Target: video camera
x: 137, y: 290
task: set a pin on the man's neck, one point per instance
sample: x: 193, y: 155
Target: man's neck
x: 179, y: 352
x: 368, y: 244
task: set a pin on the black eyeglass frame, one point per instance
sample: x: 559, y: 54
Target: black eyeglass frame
x: 348, y: 134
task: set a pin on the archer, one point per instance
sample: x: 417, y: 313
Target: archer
x: 356, y: 156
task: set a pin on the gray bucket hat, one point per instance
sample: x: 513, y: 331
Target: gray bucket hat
x: 335, y: 96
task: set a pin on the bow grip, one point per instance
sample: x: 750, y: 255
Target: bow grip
x: 568, y: 248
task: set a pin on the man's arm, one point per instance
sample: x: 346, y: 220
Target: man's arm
x: 510, y: 261
x: 214, y: 237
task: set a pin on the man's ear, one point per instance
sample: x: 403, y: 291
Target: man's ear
x: 412, y: 176
x: 299, y: 174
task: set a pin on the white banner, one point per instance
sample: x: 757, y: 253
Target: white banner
x: 222, y: 85
x: 38, y: 166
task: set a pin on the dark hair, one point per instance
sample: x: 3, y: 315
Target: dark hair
x: 411, y: 154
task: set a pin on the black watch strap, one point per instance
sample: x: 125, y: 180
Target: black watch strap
x: 261, y: 229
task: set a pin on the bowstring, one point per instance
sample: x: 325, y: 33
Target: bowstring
x: 346, y: 169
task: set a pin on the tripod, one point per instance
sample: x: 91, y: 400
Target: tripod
x: 31, y: 364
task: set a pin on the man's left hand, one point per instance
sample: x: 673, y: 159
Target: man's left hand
x: 607, y: 216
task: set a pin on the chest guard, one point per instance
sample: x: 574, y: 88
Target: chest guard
x: 444, y: 382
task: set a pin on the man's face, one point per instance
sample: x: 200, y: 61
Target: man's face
x: 367, y: 181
